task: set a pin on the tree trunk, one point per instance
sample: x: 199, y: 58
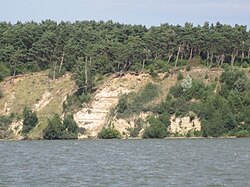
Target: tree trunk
x: 177, y: 57
x: 233, y: 56
x: 191, y: 54
x: 143, y: 64
x: 86, y: 73
x: 242, y: 56
x: 61, y: 63
x: 169, y: 58
x: 217, y: 57
x: 232, y: 59
x: 248, y: 55
x: 14, y: 73
x: 54, y: 71
x: 211, y: 59
x: 222, y: 59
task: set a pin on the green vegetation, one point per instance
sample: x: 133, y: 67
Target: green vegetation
x: 221, y: 113
x: 157, y: 128
x: 109, y: 133
x: 5, y: 121
x: 88, y: 49
x: 134, y: 103
x: 134, y: 131
x: 57, y: 129
x: 30, y: 120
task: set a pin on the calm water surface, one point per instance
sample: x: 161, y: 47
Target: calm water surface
x: 185, y: 162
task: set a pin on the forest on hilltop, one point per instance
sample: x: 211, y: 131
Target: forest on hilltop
x: 114, y: 47
x: 90, y: 49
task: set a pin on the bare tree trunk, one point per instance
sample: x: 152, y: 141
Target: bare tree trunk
x: 248, y: 55
x: 54, y: 71
x: 61, y: 63
x: 14, y: 73
x: 143, y: 64
x: 242, y: 56
x: 191, y: 54
x: 208, y: 56
x: 177, y: 57
x: 232, y: 59
x: 233, y: 56
x: 86, y: 73
x: 169, y: 58
x: 211, y: 59
x: 217, y: 57
x: 222, y: 59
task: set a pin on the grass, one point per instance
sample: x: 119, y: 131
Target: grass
x: 29, y: 90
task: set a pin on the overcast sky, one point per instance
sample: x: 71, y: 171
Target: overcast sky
x: 145, y: 12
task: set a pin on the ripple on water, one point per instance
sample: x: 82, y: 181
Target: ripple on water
x: 187, y: 162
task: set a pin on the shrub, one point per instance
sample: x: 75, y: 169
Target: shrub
x: 155, y: 129
x: 134, y: 132
x: 57, y: 129
x: 109, y: 133
x: 122, y: 103
x: 206, y: 76
x: 134, y: 103
x: 188, y: 68
x: 180, y: 76
x: 242, y: 133
x: 30, y: 120
x: 1, y: 94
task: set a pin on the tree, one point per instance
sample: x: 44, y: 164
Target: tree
x: 30, y: 120
x: 58, y: 129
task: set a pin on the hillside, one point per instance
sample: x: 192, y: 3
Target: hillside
x: 46, y: 97
x: 98, y: 113
x: 38, y: 92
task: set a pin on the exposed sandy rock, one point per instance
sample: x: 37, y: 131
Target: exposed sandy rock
x: 184, y: 124
x: 46, y: 98
x: 16, y: 128
x: 94, y: 116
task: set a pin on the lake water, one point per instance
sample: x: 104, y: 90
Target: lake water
x: 178, y: 162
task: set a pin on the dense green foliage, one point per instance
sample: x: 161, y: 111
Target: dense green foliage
x: 134, y: 103
x: 225, y: 112
x: 57, y: 129
x: 30, y: 120
x: 5, y: 121
x: 157, y: 127
x: 88, y: 47
x: 109, y: 133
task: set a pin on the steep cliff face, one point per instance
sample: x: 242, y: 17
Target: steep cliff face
x: 46, y: 97
x: 94, y: 116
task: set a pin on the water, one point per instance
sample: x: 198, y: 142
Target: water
x: 185, y: 162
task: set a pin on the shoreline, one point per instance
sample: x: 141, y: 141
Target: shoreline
x: 166, y: 138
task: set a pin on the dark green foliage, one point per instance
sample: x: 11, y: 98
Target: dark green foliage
x: 179, y: 76
x: 30, y: 120
x: 134, y: 132
x: 57, y: 129
x: 5, y: 121
x: 188, y: 68
x: 109, y: 133
x: 242, y: 134
x: 122, y: 103
x: 135, y: 103
x: 114, y: 47
x: 156, y: 129
x: 1, y: 94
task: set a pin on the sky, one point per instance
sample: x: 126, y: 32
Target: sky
x: 144, y: 12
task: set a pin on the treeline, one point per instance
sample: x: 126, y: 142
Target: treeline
x: 110, y: 47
